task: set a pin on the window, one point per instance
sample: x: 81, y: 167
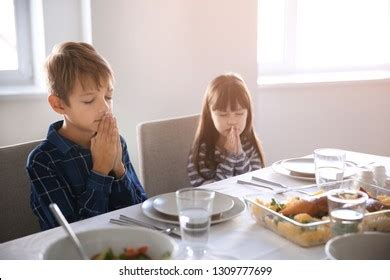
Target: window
x: 303, y: 38
x: 15, y: 43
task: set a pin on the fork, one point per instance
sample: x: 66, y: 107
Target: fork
x: 169, y: 230
x: 286, y: 189
x: 126, y: 219
x: 297, y: 189
x: 242, y: 182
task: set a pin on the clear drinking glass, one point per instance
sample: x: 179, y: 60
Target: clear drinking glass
x: 195, y: 208
x: 329, y: 165
x: 346, y: 210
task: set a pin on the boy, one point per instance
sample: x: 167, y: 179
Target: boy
x: 83, y: 164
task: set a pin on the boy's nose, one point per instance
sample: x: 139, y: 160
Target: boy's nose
x: 105, y: 107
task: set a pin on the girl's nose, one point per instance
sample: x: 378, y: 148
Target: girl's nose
x: 231, y: 121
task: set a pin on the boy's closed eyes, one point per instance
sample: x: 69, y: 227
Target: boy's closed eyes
x: 90, y: 97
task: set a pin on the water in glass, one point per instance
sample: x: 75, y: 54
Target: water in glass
x: 329, y: 174
x: 195, y: 225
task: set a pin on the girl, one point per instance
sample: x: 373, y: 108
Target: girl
x: 225, y: 143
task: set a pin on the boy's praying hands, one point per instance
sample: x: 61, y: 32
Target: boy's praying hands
x: 106, y: 148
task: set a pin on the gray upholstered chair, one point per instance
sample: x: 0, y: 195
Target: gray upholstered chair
x: 163, y: 149
x: 16, y: 217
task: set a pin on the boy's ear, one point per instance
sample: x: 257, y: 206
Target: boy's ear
x: 56, y: 103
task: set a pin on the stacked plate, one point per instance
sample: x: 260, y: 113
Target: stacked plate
x: 163, y: 208
x: 303, y: 168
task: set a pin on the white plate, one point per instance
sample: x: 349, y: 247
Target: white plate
x: 166, y: 203
x: 149, y: 211
x: 278, y: 168
x: 299, y: 165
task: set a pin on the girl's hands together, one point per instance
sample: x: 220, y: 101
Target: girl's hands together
x: 233, y: 141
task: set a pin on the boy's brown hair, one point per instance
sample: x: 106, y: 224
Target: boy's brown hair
x: 70, y: 61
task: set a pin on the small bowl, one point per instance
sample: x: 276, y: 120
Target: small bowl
x: 363, y: 246
x: 160, y: 246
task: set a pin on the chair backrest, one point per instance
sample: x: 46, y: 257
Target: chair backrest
x: 163, y: 149
x: 16, y: 216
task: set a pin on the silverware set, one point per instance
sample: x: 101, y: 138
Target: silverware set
x: 127, y: 221
x: 263, y: 183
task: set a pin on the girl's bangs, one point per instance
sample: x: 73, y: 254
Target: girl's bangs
x: 233, y: 96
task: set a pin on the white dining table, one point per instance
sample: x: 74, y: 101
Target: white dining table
x: 238, y: 238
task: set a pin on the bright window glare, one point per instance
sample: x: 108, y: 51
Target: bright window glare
x: 323, y: 36
x: 271, y: 13
x: 8, y: 50
x: 342, y: 34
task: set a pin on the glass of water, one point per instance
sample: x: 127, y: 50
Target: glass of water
x: 346, y: 210
x: 195, y: 208
x: 329, y: 165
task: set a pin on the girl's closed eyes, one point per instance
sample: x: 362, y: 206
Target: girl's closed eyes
x: 225, y: 114
x: 222, y: 114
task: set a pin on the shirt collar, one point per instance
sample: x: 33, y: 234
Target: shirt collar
x: 62, y: 144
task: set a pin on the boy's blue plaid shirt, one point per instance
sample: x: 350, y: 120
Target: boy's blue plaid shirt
x: 61, y: 172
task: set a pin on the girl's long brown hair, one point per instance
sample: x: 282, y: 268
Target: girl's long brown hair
x: 225, y: 90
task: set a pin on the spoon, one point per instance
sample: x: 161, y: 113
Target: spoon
x: 63, y: 222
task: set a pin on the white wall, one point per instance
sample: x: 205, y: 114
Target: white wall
x: 164, y: 52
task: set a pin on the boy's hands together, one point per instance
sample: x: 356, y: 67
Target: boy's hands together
x: 106, y: 148
x: 233, y: 141
x: 119, y: 168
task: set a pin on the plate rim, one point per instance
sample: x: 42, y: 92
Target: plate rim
x: 276, y: 166
x: 238, y: 208
x: 176, y: 214
x: 296, y: 171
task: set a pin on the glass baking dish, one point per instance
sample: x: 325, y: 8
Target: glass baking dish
x: 306, y: 232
